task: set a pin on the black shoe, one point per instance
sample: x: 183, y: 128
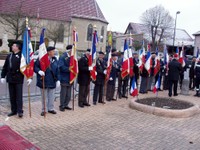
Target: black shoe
x: 52, y: 112
x: 20, y: 115
x: 170, y: 95
x: 102, y: 102
x: 124, y: 96
x: 12, y: 114
x: 94, y: 103
x: 42, y: 113
x: 175, y: 94
x: 86, y: 104
x: 113, y: 99
x: 62, y: 109
x: 82, y: 106
x: 68, y: 108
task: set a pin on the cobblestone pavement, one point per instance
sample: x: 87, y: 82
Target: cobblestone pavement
x: 113, y: 126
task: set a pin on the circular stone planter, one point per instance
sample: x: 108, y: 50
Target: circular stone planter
x: 165, y: 107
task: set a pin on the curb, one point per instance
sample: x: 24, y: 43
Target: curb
x: 176, y: 113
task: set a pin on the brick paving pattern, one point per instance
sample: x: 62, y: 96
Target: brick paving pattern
x: 113, y: 126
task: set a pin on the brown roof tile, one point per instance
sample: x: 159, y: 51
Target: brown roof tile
x: 56, y: 9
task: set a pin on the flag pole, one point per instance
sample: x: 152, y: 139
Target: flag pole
x: 73, y: 98
x: 36, y: 29
x: 27, y: 55
x: 43, y: 96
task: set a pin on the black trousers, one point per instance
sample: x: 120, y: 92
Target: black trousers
x: 15, y: 92
x: 175, y: 84
x: 192, y: 83
x: 122, y: 86
x: 82, y: 95
x: 197, y: 84
x: 110, y: 92
x: 98, y: 93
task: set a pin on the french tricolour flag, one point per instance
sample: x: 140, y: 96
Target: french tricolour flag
x: 125, y: 64
x: 157, y: 85
x: 148, y: 60
x: 43, y: 56
x: 166, y: 58
x: 157, y: 63
x: 27, y: 62
x: 130, y: 57
x: 92, y: 57
x: 134, y: 90
x: 181, y: 57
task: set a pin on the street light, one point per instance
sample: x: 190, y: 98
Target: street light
x: 178, y: 12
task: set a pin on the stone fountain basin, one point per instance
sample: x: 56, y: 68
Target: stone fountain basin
x: 166, y: 107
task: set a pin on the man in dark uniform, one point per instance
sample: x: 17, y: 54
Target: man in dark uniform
x: 135, y: 69
x: 113, y: 75
x: 100, y: 79
x: 173, y: 75
x: 191, y: 75
x: 197, y: 76
x: 151, y: 75
x: 83, y: 79
x: 65, y: 92
x: 11, y: 70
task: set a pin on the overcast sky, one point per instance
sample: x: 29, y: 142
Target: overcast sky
x: 120, y: 12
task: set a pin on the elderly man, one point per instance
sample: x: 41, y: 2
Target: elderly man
x: 51, y: 81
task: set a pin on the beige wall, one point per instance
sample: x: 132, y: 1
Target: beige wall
x: 81, y: 26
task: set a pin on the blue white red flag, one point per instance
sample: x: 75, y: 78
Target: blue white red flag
x: 157, y: 63
x: 181, y: 57
x: 125, y: 64
x: 141, y: 58
x: 134, y: 90
x: 43, y: 56
x: 157, y: 85
x: 27, y: 61
x: 148, y: 60
x: 92, y: 57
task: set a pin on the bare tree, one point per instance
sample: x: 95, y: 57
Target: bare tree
x: 158, y: 21
x: 55, y: 31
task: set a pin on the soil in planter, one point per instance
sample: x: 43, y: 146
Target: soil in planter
x: 166, y: 103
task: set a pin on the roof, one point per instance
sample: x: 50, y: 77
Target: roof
x: 197, y: 33
x: 62, y: 10
x: 181, y: 34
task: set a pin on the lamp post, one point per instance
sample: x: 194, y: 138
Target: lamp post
x: 178, y: 12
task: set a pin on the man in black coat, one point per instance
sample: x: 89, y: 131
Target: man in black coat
x: 173, y: 74
x: 197, y: 76
x: 11, y: 70
x: 100, y: 79
x: 83, y: 79
x: 191, y: 75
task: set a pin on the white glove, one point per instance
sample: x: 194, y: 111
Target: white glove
x: 111, y: 79
x: 29, y: 81
x: 3, y: 80
x: 57, y: 84
x: 105, y: 71
x: 41, y: 73
x: 90, y: 68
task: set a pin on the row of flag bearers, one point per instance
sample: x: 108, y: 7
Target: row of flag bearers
x: 103, y: 72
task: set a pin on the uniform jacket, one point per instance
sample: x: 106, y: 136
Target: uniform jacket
x: 84, y: 73
x: 113, y: 74
x: 135, y: 68
x: 100, y: 67
x: 152, y: 67
x: 64, y: 64
x: 174, y: 70
x: 11, y: 69
x: 192, y: 70
x: 197, y: 71
x: 51, y: 74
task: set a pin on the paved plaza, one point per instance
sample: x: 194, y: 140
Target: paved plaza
x: 113, y: 126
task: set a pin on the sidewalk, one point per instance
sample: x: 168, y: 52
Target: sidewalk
x: 113, y: 126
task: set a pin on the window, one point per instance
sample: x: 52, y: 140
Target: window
x: 102, y: 34
x: 89, y: 32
